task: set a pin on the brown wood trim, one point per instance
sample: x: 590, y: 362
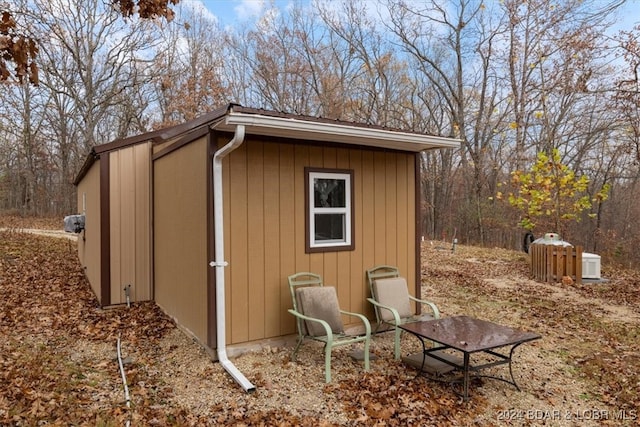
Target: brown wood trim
x: 125, y: 142
x: 154, y: 136
x: 152, y: 227
x: 105, y: 228
x: 187, y: 138
x: 307, y: 226
x: 88, y: 162
x: 165, y: 133
x: 418, y: 230
x: 212, y: 338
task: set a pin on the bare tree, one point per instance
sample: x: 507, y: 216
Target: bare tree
x: 506, y: 75
x: 278, y: 74
x: 451, y: 46
x: 92, y: 73
x: 103, y: 60
x: 187, y: 71
x: 23, y: 122
x: 627, y: 91
x: 20, y: 48
x: 376, y: 83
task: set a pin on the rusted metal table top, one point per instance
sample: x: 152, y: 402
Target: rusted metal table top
x: 468, y: 334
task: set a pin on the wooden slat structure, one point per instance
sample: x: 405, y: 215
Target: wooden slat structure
x: 550, y: 263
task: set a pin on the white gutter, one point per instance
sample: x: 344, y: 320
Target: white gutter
x: 219, y: 263
x: 338, y: 133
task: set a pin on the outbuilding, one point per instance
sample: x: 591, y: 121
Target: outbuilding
x: 208, y: 218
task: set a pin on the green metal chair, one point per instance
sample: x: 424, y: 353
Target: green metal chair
x: 392, y: 302
x: 318, y: 317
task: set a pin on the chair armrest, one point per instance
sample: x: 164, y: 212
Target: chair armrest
x: 325, y: 325
x: 434, y: 309
x: 394, y: 312
x: 367, y: 325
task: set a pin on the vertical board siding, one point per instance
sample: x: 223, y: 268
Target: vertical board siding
x: 302, y: 158
x: 287, y: 220
x: 265, y: 229
x: 115, y: 217
x: 127, y: 226
x: 180, y: 236
x: 130, y: 228
x: 274, y: 292
x: 413, y: 249
x: 379, y: 210
x: 367, y: 238
x: 142, y: 235
x: 256, y: 226
x: 404, y: 211
x: 343, y: 258
x: 89, y: 240
x: 391, y: 213
x: 238, y: 240
x: 316, y: 261
x: 358, y: 294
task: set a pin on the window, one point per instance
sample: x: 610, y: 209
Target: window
x: 329, y: 201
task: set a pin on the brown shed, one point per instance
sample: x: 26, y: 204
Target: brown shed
x: 224, y: 208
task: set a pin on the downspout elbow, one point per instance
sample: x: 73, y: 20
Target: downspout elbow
x: 236, y: 141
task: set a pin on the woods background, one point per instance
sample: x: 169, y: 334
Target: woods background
x: 509, y: 78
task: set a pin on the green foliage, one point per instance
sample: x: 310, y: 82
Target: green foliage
x: 551, y: 194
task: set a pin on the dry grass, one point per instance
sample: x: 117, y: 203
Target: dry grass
x: 586, y: 364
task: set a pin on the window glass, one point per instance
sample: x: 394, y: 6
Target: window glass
x: 329, y: 193
x: 330, y: 227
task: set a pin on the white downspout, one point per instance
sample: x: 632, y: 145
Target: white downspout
x: 219, y: 263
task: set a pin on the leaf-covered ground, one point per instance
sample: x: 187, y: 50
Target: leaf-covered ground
x: 591, y: 330
x: 58, y: 362
x: 47, y: 312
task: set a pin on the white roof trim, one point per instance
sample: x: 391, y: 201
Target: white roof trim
x: 333, y: 132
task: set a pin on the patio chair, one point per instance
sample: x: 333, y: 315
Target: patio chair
x: 318, y: 317
x: 392, y: 302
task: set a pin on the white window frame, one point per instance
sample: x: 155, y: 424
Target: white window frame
x: 341, y: 244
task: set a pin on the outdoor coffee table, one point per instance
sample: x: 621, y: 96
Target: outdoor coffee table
x: 469, y: 335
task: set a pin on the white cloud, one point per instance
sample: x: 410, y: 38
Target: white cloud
x: 199, y: 7
x: 249, y: 9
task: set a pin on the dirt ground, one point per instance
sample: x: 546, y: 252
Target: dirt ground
x: 59, y: 364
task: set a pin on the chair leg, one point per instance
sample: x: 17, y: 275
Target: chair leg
x: 378, y: 324
x: 294, y: 356
x: 327, y: 363
x: 366, y: 355
x: 396, y: 349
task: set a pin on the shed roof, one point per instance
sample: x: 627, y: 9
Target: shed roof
x: 284, y: 125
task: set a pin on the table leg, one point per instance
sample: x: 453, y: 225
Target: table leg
x: 424, y: 356
x: 513, y: 380
x: 465, y: 380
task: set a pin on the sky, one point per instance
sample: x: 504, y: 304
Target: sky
x: 230, y: 12
x: 233, y: 12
